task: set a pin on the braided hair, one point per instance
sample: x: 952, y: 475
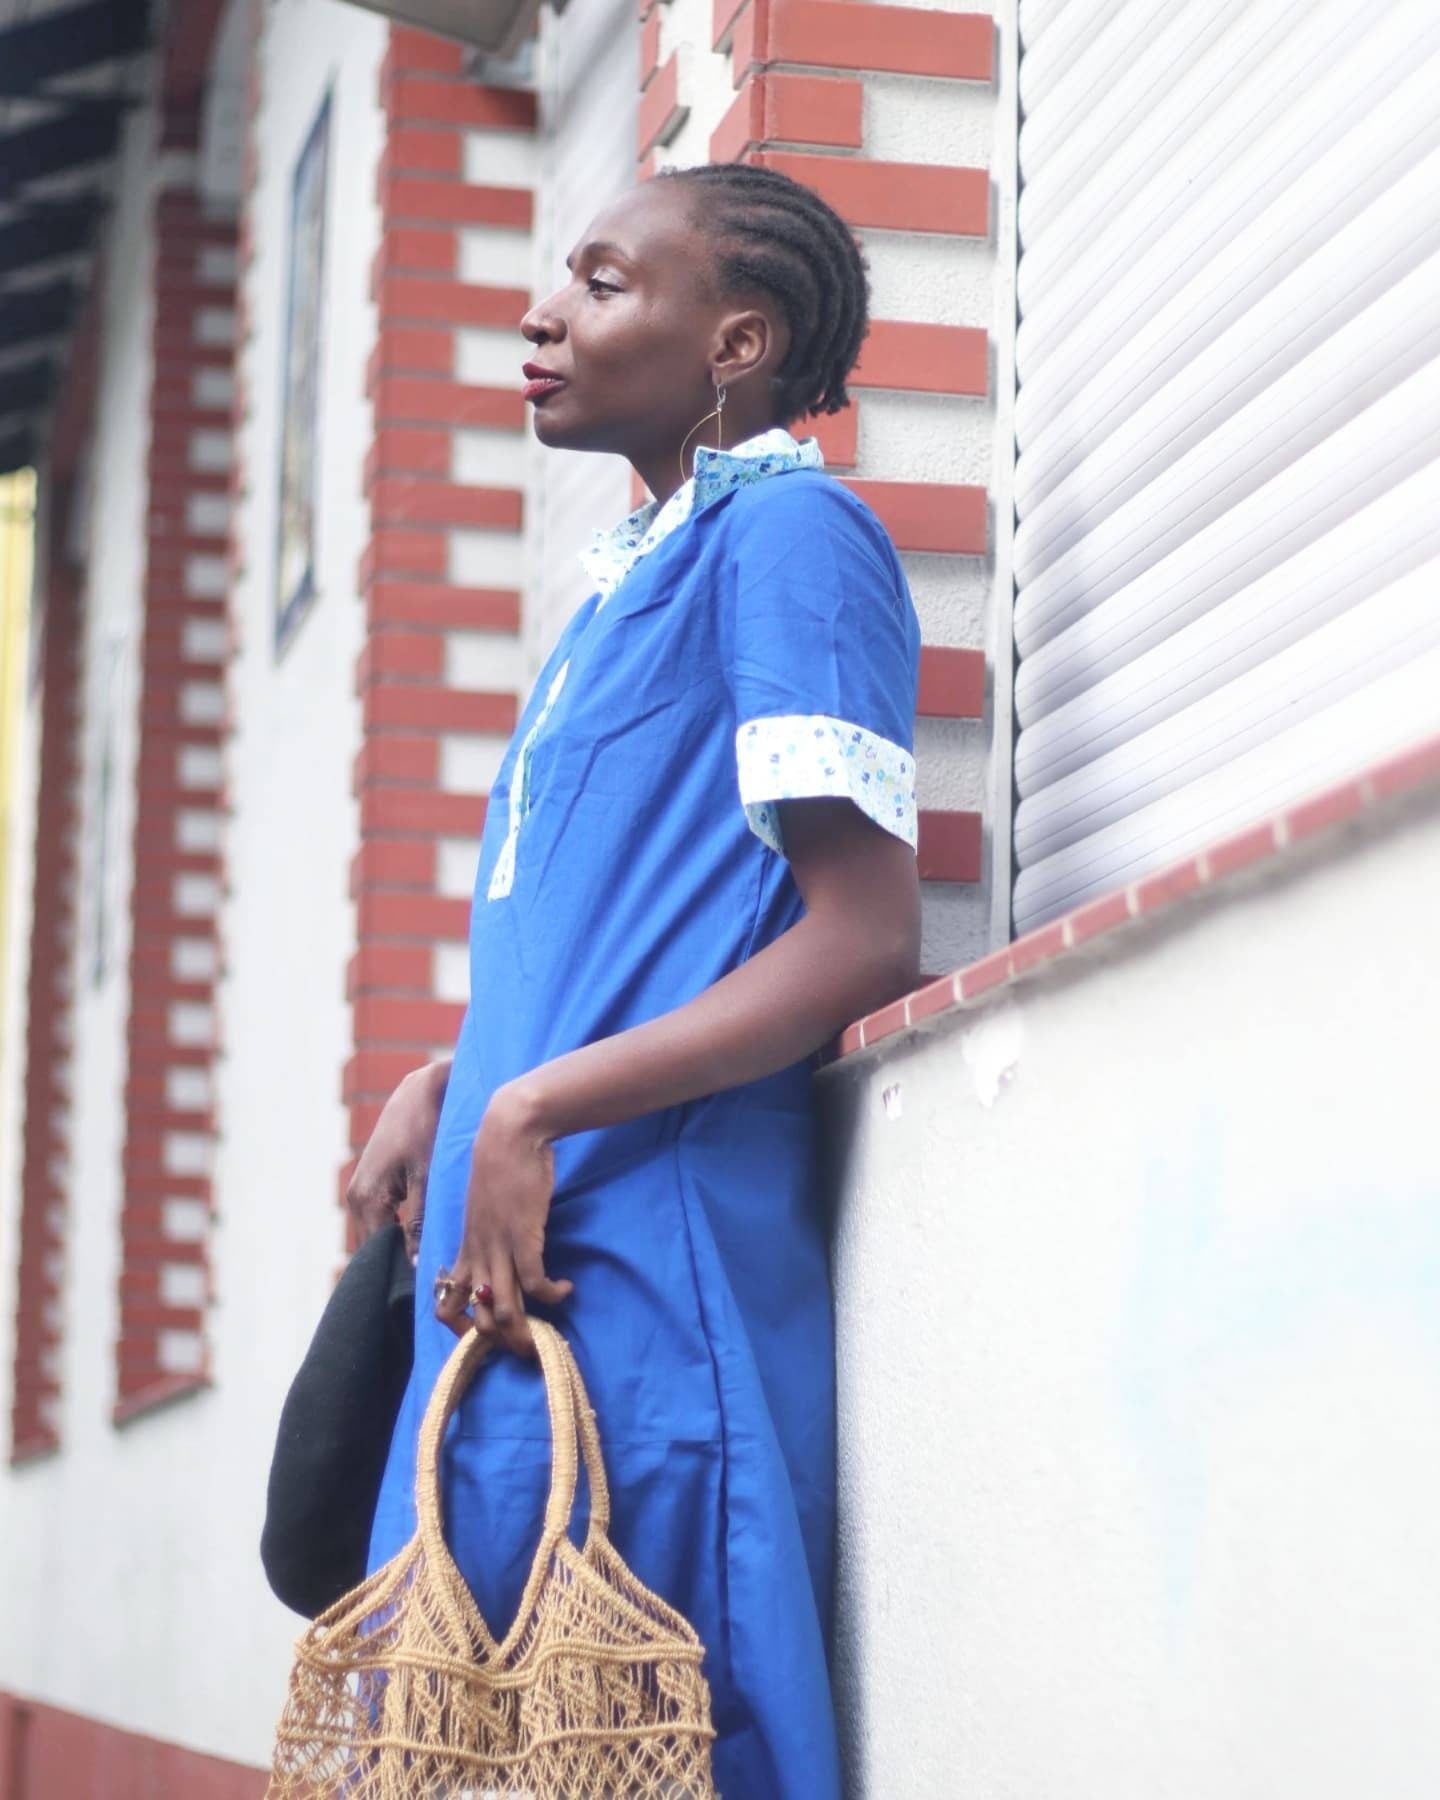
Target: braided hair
x: 776, y: 236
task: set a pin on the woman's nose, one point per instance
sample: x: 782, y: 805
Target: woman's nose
x: 543, y: 324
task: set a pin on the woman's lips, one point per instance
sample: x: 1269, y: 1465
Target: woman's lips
x: 537, y: 386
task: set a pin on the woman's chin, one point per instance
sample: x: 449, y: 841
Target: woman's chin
x: 552, y: 430
x: 560, y: 433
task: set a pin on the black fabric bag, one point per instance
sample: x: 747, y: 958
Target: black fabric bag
x: 335, y: 1430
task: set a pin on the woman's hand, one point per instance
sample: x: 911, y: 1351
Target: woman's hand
x: 512, y: 1179
x: 389, y: 1178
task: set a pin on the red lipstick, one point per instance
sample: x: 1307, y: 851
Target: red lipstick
x: 539, y: 382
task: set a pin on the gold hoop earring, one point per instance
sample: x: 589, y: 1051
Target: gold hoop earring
x: 718, y: 415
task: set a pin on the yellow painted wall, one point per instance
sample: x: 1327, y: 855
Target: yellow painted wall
x: 17, y: 518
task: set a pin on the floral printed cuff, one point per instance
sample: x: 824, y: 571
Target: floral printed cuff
x: 803, y: 757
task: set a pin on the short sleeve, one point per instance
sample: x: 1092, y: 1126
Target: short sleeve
x: 824, y: 656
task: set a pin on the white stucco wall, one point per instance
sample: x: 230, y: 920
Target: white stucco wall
x: 1138, y: 1274
x: 288, y: 927
x: 119, y: 1556
x: 48, y: 1508
x: 585, y: 158
x: 1136, y: 1268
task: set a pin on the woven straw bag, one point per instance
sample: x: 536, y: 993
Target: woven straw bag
x: 399, y: 1691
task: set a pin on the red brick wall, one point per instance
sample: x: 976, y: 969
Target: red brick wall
x: 44, y: 1184
x: 178, y: 868
x: 45, y: 1145
x: 417, y: 613
x: 799, y: 68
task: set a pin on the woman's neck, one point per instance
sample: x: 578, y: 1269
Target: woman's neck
x: 662, y: 473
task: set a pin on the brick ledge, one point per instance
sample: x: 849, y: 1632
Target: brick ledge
x: 25, y: 1454
x: 1360, y: 796
x: 157, y: 1394
x: 50, y: 1751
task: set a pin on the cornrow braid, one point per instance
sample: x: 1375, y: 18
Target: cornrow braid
x: 779, y: 237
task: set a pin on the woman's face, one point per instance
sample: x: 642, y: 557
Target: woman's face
x: 633, y: 336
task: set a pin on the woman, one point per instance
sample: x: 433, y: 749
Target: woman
x: 697, y: 866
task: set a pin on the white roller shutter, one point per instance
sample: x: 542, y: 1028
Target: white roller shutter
x: 1227, y: 550
x: 588, y: 107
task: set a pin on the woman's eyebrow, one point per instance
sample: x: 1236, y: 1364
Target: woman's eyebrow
x: 595, y: 248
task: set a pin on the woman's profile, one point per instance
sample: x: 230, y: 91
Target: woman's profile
x: 697, y: 866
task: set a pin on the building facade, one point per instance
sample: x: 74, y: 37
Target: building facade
x: 1137, y: 1222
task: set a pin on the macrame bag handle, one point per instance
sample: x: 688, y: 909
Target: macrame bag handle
x: 572, y: 1426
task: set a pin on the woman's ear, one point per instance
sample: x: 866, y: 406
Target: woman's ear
x: 745, y: 341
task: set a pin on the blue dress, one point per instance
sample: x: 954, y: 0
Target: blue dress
x: 762, y: 645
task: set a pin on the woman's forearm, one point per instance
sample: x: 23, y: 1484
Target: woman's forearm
x: 771, y: 1012
x: 856, y: 948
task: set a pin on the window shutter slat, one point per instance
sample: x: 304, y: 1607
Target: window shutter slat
x: 1138, y: 422
x: 1132, y: 133
x: 1383, y: 719
x: 1227, y: 551
x: 1229, y: 231
x: 1325, y: 665
x: 1343, y: 566
x: 1308, y: 410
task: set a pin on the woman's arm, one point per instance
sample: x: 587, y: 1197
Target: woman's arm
x: 389, y: 1177
x: 856, y: 948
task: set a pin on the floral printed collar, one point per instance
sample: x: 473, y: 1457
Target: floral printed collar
x: 614, y: 553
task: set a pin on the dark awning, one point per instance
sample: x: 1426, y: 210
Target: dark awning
x: 36, y: 312
x: 33, y: 233
x: 71, y: 140
x: 494, y: 28
x: 26, y: 388
x: 36, y: 51
x: 63, y: 97
x: 17, y: 449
